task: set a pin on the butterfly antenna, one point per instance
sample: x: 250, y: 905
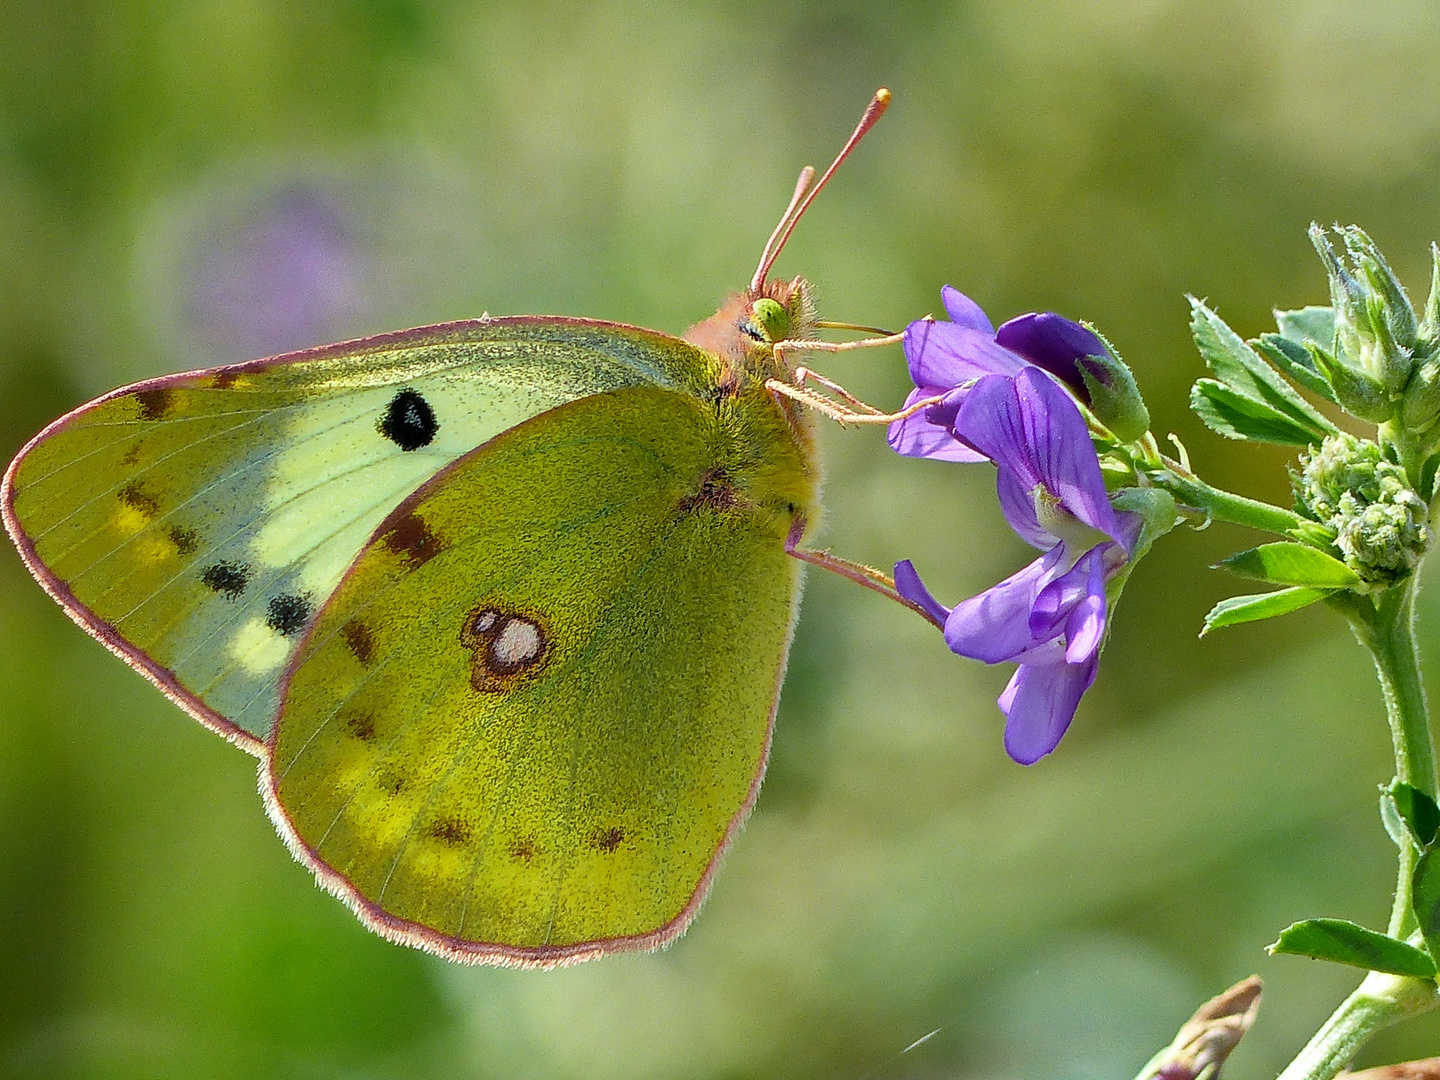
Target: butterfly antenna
x: 876, y: 109
x: 807, y: 176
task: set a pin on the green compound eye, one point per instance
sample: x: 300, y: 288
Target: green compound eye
x: 771, y: 318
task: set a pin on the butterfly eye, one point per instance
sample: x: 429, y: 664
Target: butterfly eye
x: 773, y: 320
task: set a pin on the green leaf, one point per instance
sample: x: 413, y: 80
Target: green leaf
x: 1315, y: 324
x: 1257, y: 606
x: 1344, y: 942
x: 1418, y: 811
x: 1229, y: 413
x: 1425, y: 896
x: 1292, y: 564
x: 1394, y: 824
x: 1242, y: 369
x: 1295, y: 361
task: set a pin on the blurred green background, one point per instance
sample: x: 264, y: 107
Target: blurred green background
x: 188, y: 182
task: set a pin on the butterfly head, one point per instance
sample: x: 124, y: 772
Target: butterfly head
x: 744, y: 332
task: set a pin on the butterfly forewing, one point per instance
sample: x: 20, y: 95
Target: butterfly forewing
x: 539, y: 703
x: 194, y: 523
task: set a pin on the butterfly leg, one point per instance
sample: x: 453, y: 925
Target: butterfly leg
x: 866, y: 576
x: 842, y: 413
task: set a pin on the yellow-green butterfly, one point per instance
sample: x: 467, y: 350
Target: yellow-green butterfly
x: 502, y: 606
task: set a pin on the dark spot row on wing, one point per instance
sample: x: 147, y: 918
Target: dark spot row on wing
x: 155, y: 403
x: 607, y: 839
x: 229, y: 578
x: 140, y: 500
x: 360, y: 640
x: 359, y: 724
x: 412, y: 538
x: 409, y: 421
x: 450, y: 830
x: 186, y: 541
x: 288, y: 613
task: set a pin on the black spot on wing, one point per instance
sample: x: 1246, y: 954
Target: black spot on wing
x: 450, y: 830
x: 185, y: 540
x: 607, y: 840
x: 288, y: 613
x: 360, y: 640
x: 358, y: 724
x: 229, y: 578
x: 412, y: 538
x: 409, y: 421
x: 140, y: 500
x: 155, y: 403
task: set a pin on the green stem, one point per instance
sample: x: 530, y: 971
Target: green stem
x: 1224, y: 506
x: 1387, y: 629
x: 1385, y: 625
x: 1378, y: 1002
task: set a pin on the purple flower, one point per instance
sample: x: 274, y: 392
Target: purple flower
x: 1051, y: 616
x: 946, y: 357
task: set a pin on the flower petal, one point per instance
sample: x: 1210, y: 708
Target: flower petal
x: 995, y: 625
x: 1018, y: 504
x: 1039, y: 703
x: 964, y: 311
x: 1036, y: 431
x: 1057, y: 602
x: 909, y: 585
x: 1085, y: 628
x: 1054, y: 343
x: 946, y: 354
x: 929, y: 434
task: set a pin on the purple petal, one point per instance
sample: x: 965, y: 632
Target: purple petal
x: 1018, y: 504
x: 1039, y: 703
x: 1054, y: 343
x: 1056, y: 604
x: 995, y: 626
x: 946, y: 354
x: 1085, y: 628
x: 1032, y: 428
x: 964, y: 311
x: 928, y: 433
x: 909, y: 585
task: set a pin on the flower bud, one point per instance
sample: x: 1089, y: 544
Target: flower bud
x: 1355, y: 391
x: 1430, y: 327
x: 1114, y: 397
x: 1375, y: 325
x: 1379, y: 520
x: 1421, y: 404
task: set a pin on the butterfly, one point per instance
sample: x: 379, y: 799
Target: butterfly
x: 502, y: 606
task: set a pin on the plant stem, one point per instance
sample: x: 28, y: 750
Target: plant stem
x: 1385, y: 625
x: 1378, y: 1002
x: 1224, y: 506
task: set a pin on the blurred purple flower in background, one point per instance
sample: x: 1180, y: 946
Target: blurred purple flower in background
x: 1051, y: 616
x: 945, y: 356
x: 287, y: 276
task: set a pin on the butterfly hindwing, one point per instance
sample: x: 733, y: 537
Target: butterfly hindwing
x: 194, y: 523
x: 539, y: 703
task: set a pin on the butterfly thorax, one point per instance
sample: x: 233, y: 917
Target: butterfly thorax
x: 743, y: 333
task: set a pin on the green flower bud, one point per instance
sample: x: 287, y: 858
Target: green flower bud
x: 1376, y: 330
x: 1114, y: 397
x: 1380, y: 522
x: 1430, y: 327
x: 1421, y: 404
x: 1355, y: 391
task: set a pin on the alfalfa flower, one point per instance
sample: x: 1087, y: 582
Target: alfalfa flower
x: 1050, y: 617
